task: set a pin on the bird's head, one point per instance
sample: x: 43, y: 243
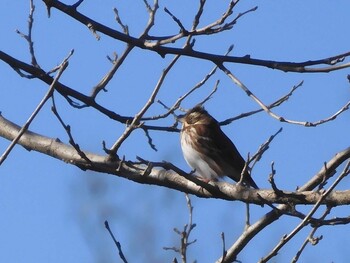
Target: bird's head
x: 196, y: 115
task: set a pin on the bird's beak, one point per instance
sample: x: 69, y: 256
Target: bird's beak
x: 181, y: 118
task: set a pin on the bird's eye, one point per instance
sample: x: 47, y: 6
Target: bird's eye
x: 193, y: 118
x: 190, y: 119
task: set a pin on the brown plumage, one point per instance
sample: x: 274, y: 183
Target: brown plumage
x: 208, y: 150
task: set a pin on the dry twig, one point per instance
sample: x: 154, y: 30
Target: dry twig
x: 268, y: 110
x: 116, y: 242
x: 185, y: 233
x: 48, y: 94
x: 305, y: 221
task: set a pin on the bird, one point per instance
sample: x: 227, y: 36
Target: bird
x: 208, y: 150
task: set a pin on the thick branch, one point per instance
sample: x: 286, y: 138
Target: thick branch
x: 156, y: 176
x: 326, y: 171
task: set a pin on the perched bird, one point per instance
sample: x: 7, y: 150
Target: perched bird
x: 208, y: 150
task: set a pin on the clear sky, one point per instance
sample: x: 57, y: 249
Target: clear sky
x: 54, y: 212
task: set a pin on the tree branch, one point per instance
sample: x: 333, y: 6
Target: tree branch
x: 305, y: 221
x: 25, y: 127
x: 305, y: 66
x: 168, y: 178
x: 268, y: 109
x: 325, y: 172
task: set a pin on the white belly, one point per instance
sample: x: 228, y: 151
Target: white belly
x: 193, y: 158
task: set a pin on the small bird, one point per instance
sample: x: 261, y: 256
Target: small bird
x: 208, y: 150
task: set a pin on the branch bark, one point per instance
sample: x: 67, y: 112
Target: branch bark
x: 154, y: 175
x: 144, y: 43
x: 326, y: 171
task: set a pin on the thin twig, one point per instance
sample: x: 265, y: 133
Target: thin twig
x: 216, y: 26
x: 198, y: 14
x: 305, y: 221
x: 48, y: 94
x: 275, y: 214
x: 177, y: 103
x: 152, y: 15
x: 136, y: 121
x: 93, y: 31
x: 224, y: 252
x: 268, y: 110
x: 77, y: 4
x: 69, y: 133
x: 177, y: 21
x: 150, y: 141
x: 311, y: 66
x: 119, y: 21
x: 108, y: 77
x: 276, y: 103
x: 185, y: 233
x: 272, y: 180
x: 263, y: 148
x: 211, y: 93
x: 256, y: 99
x: 247, y: 217
x: 213, y: 28
x: 118, y: 245
x: 310, y: 238
x: 28, y: 37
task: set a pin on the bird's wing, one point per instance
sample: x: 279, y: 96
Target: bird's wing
x: 216, y: 144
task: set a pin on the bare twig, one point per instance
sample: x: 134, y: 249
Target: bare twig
x: 198, y: 15
x: 334, y: 116
x: 116, y: 61
x: 212, y: 28
x: 150, y: 141
x: 330, y: 222
x: 268, y: 110
x: 305, y: 221
x: 211, y: 93
x: 277, y: 103
x: 264, y: 147
x: 93, y: 31
x: 272, y: 180
x: 177, y: 104
x: 216, y: 26
x: 311, y: 66
x: 247, y: 217
x: 310, y: 238
x: 116, y: 242
x: 185, y: 233
x: 275, y: 214
x: 152, y: 15
x: 177, y: 21
x: 28, y: 37
x: 223, y: 247
x: 136, y: 121
x: 68, y: 131
x: 106, y: 79
x: 119, y: 21
x: 77, y: 4
x: 245, y: 170
x: 48, y: 94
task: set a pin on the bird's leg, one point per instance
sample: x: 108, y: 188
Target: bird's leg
x: 192, y: 172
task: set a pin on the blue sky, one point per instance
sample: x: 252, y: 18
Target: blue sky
x: 54, y: 212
